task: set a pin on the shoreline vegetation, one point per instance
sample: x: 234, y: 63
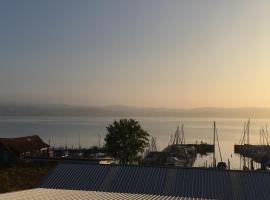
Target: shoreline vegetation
x: 126, y: 111
x: 21, y: 176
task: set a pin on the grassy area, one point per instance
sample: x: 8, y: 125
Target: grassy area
x: 23, y: 176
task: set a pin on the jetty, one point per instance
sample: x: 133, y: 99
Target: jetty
x: 250, y: 153
x: 177, y: 153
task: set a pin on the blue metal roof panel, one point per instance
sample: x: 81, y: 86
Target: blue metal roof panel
x: 139, y: 180
x: 75, y: 176
x: 193, y: 182
x: 255, y: 185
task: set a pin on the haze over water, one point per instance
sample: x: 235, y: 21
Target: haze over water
x: 58, y: 129
x: 155, y: 53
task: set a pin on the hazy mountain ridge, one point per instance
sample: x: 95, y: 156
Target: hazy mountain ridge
x: 128, y: 111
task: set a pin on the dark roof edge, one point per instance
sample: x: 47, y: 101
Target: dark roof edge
x: 165, y: 167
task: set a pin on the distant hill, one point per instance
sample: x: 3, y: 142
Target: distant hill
x: 126, y: 111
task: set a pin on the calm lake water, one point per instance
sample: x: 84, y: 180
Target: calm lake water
x: 60, y: 129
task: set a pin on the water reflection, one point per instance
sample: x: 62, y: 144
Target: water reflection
x: 57, y: 129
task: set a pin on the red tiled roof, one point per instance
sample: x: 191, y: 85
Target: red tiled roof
x: 24, y: 144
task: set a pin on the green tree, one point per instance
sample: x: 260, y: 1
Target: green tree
x: 125, y: 139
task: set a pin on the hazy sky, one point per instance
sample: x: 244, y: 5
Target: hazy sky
x: 141, y: 53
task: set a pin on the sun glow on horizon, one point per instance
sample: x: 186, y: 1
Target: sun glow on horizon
x: 173, y: 54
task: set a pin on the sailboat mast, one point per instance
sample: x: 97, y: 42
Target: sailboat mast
x: 248, y: 131
x: 214, y: 143
x: 183, y: 134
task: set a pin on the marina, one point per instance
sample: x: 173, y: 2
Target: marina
x: 253, y: 154
x: 64, y: 132
x: 177, y: 153
x: 134, y: 100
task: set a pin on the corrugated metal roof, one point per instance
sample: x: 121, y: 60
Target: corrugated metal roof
x: 191, y: 182
x: 76, y: 177
x: 53, y: 194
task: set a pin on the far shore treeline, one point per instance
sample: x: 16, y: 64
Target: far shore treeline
x: 126, y: 111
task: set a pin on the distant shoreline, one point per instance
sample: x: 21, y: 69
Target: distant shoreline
x: 122, y: 111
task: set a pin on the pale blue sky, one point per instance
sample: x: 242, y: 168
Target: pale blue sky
x: 141, y: 53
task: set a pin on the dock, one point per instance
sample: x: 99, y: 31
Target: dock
x: 256, y: 153
x: 177, y: 153
x: 259, y: 153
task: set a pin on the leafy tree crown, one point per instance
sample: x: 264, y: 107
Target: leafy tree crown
x: 125, y: 139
